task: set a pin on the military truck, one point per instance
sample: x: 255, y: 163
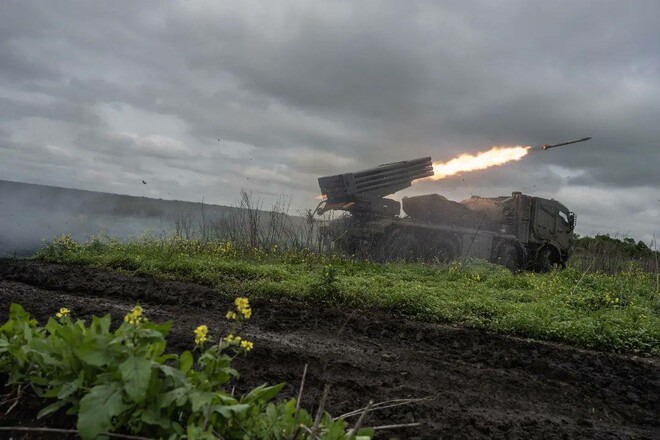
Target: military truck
x: 517, y: 231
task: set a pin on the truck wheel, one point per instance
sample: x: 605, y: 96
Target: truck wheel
x: 546, y: 260
x: 507, y: 256
x: 401, y: 246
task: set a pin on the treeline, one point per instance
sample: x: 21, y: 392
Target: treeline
x: 610, y: 254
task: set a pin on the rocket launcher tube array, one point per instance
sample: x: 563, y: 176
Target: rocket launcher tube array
x: 375, y: 182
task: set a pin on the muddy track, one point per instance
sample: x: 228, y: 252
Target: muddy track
x: 482, y: 385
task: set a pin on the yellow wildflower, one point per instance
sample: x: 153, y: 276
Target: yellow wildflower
x: 247, y: 313
x: 135, y: 317
x: 62, y: 313
x: 200, y: 334
x: 232, y: 340
x: 231, y: 316
x: 247, y: 345
x: 243, y: 307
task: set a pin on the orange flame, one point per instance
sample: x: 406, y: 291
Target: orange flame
x: 471, y: 162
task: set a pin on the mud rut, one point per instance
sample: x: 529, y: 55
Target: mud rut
x: 482, y: 385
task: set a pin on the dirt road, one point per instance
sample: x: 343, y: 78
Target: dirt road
x: 481, y: 385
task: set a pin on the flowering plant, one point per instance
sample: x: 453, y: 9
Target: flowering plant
x: 83, y: 367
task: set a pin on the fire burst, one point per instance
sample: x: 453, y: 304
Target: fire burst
x: 471, y: 162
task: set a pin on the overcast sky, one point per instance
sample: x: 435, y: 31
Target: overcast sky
x: 203, y: 98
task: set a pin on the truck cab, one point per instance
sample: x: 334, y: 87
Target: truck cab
x: 551, y: 238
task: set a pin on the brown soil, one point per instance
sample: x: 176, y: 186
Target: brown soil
x: 482, y: 385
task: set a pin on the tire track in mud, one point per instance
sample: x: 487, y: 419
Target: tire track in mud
x: 483, y: 385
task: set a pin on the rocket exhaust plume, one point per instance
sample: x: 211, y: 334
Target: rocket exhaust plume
x: 496, y: 156
x: 472, y: 162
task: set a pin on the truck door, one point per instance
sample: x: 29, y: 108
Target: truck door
x: 545, y: 220
x: 563, y: 228
x: 552, y: 222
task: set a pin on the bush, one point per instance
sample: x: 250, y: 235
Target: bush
x: 142, y: 390
x: 613, y: 255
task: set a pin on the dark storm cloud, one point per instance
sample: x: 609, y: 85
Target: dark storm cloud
x: 270, y: 95
x: 428, y: 78
x: 361, y: 68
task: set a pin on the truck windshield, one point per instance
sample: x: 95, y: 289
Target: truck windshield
x: 564, y: 218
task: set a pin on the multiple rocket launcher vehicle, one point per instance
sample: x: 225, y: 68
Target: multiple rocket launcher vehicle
x: 517, y: 231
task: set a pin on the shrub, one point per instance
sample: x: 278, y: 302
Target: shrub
x: 84, y: 367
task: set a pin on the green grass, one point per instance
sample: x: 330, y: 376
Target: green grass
x: 619, y: 312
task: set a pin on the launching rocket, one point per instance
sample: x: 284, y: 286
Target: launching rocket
x: 547, y: 146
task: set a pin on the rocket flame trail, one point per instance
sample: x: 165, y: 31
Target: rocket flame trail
x: 471, y: 162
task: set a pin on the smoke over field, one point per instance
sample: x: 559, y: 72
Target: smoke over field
x: 31, y: 213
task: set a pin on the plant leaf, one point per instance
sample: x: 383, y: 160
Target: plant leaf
x: 136, y: 373
x: 69, y: 388
x: 176, y: 374
x: 97, y: 408
x: 92, y: 355
x: 200, y: 398
x: 163, y: 328
x: 228, y: 411
x: 366, y: 433
x: 51, y: 408
x: 100, y: 326
x: 152, y: 417
x: 262, y: 393
x: 185, y: 361
x: 180, y: 395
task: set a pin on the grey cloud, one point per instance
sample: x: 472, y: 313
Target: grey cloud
x: 17, y: 67
x: 388, y: 74
x: 273, y: 97
x: 60, y: 110
x: 369, y: 66
x: 130, y: 147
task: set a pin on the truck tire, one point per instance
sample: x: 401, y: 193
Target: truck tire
x: 401, y: 246
x: 546, y: 259
x: 508, y: 256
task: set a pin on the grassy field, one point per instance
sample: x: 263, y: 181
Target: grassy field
x: 617, y: 312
